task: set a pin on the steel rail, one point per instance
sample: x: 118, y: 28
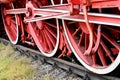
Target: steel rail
x: 68, y: 66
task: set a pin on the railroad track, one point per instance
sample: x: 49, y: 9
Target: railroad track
x: 65, y: 65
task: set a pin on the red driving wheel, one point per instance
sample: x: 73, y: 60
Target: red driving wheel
x: 45, y: 32
x: 104, y: 56
x: 10, y: 23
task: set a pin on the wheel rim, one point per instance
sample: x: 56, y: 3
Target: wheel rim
x: 106, y: 58
x: 47, y: 32
x: 10, y: 24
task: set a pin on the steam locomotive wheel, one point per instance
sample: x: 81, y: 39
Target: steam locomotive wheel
x: 104, y: 56
x: 46, y: 32
x: 10, y: 23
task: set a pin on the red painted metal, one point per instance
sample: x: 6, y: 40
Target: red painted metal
x: 10, y: 24
x: 6, y: 1
x: 44, y: 32
x: 97, y: 18
x: 93, y: 37
x: 79, y: 42
x: 47, y: 13
x: 80, y: 1
x: 76, y: 1
x: 88, y: 51
x: 97, y: 41
x: 71, y: 37
x: 63, y: 45
x: 105, y: 3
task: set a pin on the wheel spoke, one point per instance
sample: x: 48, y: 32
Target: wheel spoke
x: 38, y: 33
x: 51, y: 25
x: 48, y: 42
x: 86, y: 41
x: 13, y: 26
x: 51, y: 31
x: 97, y: 38
x: 81, y: 39
x: 113, y: 29
x: 107, y: 50
x: 112, y: 41
x: 77, y: 30
x: 94, y: 58
x: 102, y: 56
x: 13, y: 33
x: 45, y: 43
x: 51, y: 38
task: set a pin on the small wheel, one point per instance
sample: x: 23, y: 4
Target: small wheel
x: 104, y: 56
x: 46, y: 32
x: 10, y: 23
